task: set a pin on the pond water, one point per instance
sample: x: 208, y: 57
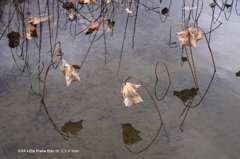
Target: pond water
x: 37, y: 126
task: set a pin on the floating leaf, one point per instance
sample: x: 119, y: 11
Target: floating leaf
x: 14, y: 39
x: 58, y: 52
x: 130, y: 95
x: 69, y: 72
x: 186, y: 94
x: 130, y: 134
x: 165, y: 11
x: 189, y: 37
x: 238, y: 74
x: 73, y: 127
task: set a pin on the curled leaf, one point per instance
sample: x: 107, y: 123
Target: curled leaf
x: 189, y: 37
x: 69, y: 72
x: 130, y: 95
x: 110, y: 24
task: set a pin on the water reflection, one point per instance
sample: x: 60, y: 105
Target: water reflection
x: 90, y: 34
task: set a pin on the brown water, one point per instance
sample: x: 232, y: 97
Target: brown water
x: 211, y: 130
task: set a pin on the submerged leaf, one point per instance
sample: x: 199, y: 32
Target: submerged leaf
x: 130, y: 95
x: 69, y: 72
x: 189, y: 37
x: 73, y: 127
x: 186, y: 94
x: 130, y: 134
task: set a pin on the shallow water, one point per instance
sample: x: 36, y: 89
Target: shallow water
x: 210, y: 130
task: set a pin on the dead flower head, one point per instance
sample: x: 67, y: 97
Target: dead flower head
x: 130, y: 95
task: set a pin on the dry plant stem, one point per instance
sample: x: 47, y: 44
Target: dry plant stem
x: 190, y: 102
x: 194, y: 68
x: 38, y: 75
x: 149, y: 95
x: 157, y: 79
x: 161, y: 125
x: 220, y: 23
x: 191, y: 106
x: 45, y: 78
x: 170, y: 42
x: 210, y: 50
x: 65, y: 137
x: 190, y: 66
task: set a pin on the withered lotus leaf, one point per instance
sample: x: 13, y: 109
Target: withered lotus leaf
x: 130, y: 95
x: 73, y: 127
x: 189, y: 37
x: 130, y: 134
x: 69, y: 72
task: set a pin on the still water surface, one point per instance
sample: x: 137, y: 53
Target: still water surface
x: 138, y: 40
